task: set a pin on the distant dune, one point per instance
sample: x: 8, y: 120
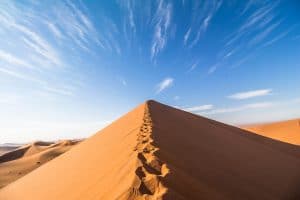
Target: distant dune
x: 286, y: 131
x: 4, y: 149
x: 19, y: 161
x: 159, y: 152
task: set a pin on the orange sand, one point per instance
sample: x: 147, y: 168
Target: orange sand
x: 159, y: 152
x: 17, y: 163
x: 286, y: 131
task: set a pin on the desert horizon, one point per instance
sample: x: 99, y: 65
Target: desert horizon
x: 152, y: 146
x: 149, y: 100
x: 257, y: 128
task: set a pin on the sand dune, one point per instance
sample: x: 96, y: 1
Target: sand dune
x: 4, y: 149
x: 286, y: 131
x: 18, y: 162
x: 159, y: 152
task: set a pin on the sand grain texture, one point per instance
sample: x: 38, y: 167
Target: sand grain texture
x: 159, y: 152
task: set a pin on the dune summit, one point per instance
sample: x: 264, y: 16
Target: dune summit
x: 159, y: 152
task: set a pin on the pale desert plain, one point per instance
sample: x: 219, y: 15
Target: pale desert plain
x: 160, y: 152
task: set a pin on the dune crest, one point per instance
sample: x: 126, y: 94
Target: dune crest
x: 150, y: 170
x: 159, y: 152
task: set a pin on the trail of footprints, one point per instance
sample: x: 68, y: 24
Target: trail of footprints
x: 152, y: 169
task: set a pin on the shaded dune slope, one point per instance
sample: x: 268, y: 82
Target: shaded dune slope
x: 17, y: 163
x: 5, y: 149
x: 159, y: 152
x: 211, y: 160
x: 286, y: 131
x: 25, y: 150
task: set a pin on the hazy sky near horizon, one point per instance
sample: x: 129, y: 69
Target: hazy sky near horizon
x: 68, y: 68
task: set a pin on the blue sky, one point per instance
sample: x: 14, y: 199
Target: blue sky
x: 68, y: 68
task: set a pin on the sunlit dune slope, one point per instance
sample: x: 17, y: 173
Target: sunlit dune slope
x: 286, y: 131
x: 159, y: 152
x: 17, y: 163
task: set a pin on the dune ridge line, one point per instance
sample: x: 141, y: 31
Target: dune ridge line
x: 151, y: 170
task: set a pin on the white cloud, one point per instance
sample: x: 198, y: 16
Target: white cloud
x: 193, y: 66
x: 59, y: 91
x: 259, y: 18
x: 201, y: 24
x: 199, y: 108
x: 131, y: 16
x: 28, y: 51
x: 11, y: 59
x: 259, y: 37
x: 256, y: 112
x: 43, y: 50
x: 186, y: 36
x: 278, y: 37
x: 54, y: 30
x: 161, y: 31
x: 239, y: 108
x: 260, y: 24
x: 250, y: 94
x: 76, y: 25
x: 166, y: 83
x: 257, y: 21
x: 20, y: 75
x: 213, y: 68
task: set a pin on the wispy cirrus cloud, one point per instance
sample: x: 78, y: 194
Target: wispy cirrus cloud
x: 260, y: 18
x: 37, y: 46
x: 54, y: 29
x: 193, y: 66
x: 199, y: 108
x: 247, y: 6
x: 240, y: 114
x: 162, y: 20
x: 213, y: 68
x: 130, y: 14
x: 76, y: 24
x: 252, y: 106
x: 19, y: 75
x: 186, y: 36
x: 202, y: 17
x: 164, y: 84
x: 60, y: 91
x: 263, y: 34
x: 250, y: 94
x: 13, y: 21
x: 259, y: 29
x: 13, y: 60
x: 278, y: 37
